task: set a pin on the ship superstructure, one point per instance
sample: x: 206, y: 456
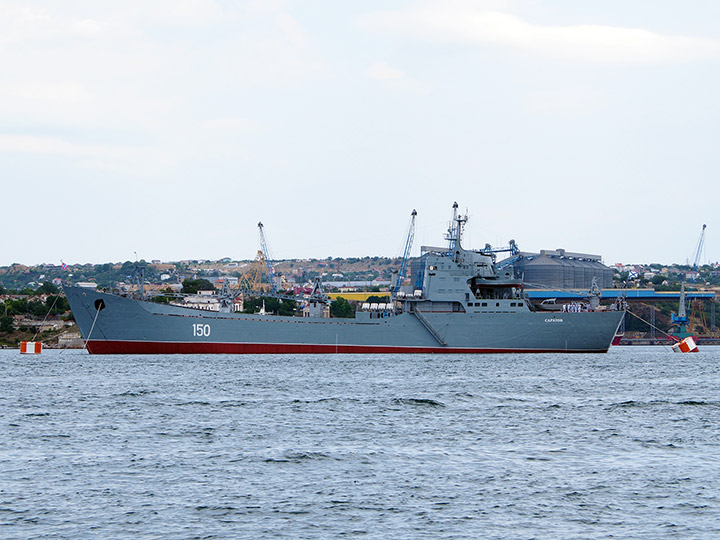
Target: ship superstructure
x: 455, y: 279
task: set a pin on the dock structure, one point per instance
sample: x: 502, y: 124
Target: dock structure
x: 631, y: 295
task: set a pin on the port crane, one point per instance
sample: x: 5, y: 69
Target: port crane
x: 697, y: 313
x: 698, y: 251
x: 406, y: 254
x: 252, y: 279
x: 266, y: 258
x: 511, y: 248
x: 681, y: 319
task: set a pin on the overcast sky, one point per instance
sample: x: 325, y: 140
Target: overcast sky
x: 169, y: 128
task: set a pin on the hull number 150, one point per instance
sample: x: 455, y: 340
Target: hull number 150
x: 201, y: 330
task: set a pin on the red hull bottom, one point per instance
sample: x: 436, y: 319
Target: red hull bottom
x: 160, y: 347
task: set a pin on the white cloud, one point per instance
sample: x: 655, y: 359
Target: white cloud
x: 133, y: 160
x: 56, y: 92
x: 470, y: 23
x: 569, y: 100
x: 57, y: 146
x: 230, y: 124
x: 146, y: 71
x: 35, y: 20
x: 21, y: 22
x: 182, y: 12
x: 395, y: 79
x: 381, y: 71
x: 87, y: 27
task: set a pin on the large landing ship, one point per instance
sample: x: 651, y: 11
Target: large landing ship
x: 458, y: 302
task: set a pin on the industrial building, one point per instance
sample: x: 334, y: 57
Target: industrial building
x: 559, y: 269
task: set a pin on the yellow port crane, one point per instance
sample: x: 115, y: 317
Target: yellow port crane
x: 252, y: 279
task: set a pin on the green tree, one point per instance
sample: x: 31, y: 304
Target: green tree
x: 37, y: 308
x: 6, y: 323
x: 192, y: 286
x: 59, y: 304
x: 341, y: 308
x: 47, y: 288
x: 658, y: 280
x: 17, y: 307
x: 272, y: 305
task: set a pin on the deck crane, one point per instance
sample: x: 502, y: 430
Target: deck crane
x: 268, y: 262
x: 406, y: 254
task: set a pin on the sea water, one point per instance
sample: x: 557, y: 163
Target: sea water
x: 546, y: 446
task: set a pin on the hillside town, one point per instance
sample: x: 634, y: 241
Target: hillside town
x: 32, y: 303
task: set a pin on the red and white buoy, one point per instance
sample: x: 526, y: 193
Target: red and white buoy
x: 686, y: 345
x: 30, y: 347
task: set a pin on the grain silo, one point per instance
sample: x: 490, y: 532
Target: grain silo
x: 559, y: 269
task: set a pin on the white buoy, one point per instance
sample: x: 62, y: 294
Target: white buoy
x: 686, y: 345
x: 30, y: 347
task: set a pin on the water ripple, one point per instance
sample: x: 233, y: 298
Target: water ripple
x: 623, y: 445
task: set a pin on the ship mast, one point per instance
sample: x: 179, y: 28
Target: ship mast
x: 454, y: 232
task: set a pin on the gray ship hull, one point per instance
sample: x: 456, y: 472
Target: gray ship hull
x: 126, y: 326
